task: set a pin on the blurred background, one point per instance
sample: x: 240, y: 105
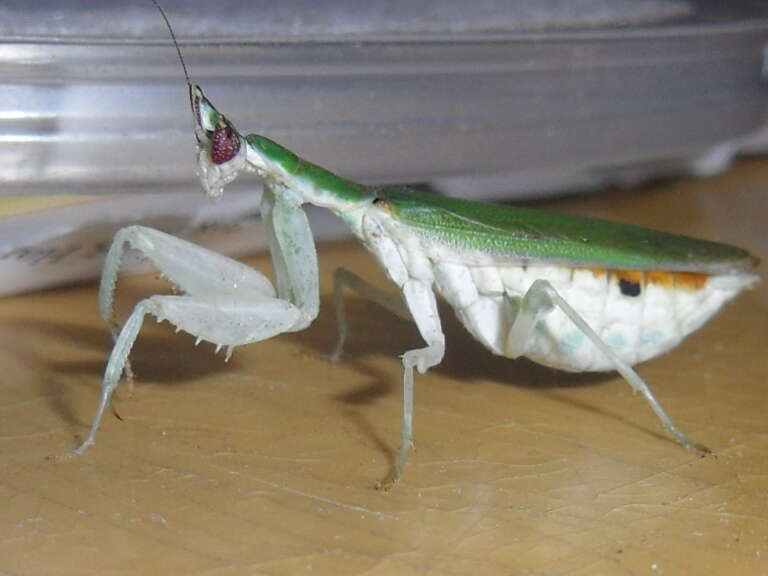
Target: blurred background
x: 267, y: 464
x: 503, y: 101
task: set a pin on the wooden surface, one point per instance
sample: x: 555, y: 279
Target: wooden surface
x: 267, y: 464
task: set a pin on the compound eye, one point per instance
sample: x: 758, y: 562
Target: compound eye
x: 225, y: 144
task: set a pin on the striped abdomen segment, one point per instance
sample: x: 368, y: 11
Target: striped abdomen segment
x: 640, y: 314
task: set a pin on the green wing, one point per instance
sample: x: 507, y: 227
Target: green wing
x: 525, y: 235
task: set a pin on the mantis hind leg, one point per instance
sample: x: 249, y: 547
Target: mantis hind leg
x: 539, y: 300
x: 344, y: 278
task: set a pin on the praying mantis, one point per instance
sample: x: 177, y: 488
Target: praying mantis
x: 571, y: 293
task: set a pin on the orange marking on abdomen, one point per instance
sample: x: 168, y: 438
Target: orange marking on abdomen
x: 692, y: 281
x: 679, y: 280
x: 634, y: 276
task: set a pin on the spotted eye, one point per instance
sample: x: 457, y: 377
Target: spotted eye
x: 225, y: 144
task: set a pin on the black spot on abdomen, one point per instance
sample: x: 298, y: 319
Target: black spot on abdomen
x: 629, y: 288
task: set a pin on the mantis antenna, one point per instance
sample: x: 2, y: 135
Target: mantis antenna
x: 175, y: 42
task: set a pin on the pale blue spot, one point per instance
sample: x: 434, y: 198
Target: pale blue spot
x: 616, y: 340
x: 651, y: 338
x: 573, y: 340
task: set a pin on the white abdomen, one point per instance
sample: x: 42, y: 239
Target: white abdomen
x: 639, y: 314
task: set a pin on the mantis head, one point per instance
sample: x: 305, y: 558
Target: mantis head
x: 221, y: 150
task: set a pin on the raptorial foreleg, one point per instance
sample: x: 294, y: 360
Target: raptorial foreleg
x: 225, y: 302
x: 222, y: 320
x: 192, y: 269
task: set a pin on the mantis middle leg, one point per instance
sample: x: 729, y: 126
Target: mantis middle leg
x: 344, y: 278
x: 418, y: 303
